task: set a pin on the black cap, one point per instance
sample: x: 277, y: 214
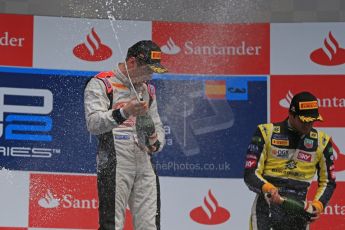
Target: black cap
x: 150, y: 53
x: 305, y: 105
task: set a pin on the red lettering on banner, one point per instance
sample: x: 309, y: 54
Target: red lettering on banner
x: 16, y: 40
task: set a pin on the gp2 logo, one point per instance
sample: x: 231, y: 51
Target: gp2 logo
x: 25, y: 127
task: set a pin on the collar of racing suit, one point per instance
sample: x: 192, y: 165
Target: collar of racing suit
x: 292, y: 129
x: 124, y: 79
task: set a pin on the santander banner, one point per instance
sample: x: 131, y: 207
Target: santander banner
x: 65, y: 201
x: 85, y: 44
x: 213, y: 48
x: 307, y: 48
x: 16, y: 38
x: 61, y: 202
x: 205, y: 204
x: 328, y: 90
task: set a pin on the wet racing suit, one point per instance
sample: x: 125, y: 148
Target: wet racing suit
x: 125, y: 175
x: 279, y: 156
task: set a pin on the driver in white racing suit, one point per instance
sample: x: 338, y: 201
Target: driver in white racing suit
x: 125, y: 174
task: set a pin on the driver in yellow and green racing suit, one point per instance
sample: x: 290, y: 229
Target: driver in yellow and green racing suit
x: 282, y: 159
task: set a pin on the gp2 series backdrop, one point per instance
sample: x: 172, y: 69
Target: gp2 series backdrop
x: 223, y: 80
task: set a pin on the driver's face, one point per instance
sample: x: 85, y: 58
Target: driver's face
x: 141, y: 73
x: 300, y: 126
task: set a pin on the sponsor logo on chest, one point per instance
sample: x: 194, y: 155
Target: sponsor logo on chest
x: 308, y: 143
x: 281, y: 153
x: 305, y: 156
x: 280, y: 142
x: 291, y: 164
x: 122, y: 137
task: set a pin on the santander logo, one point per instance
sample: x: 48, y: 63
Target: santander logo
x: 194, y: 48
x: 49, y: 201
x: 66, y: 201
x: 170, y: 47
x: 93, y: 49
x: 210, y: 213
x: 330, y: 54
x: 285, y: 102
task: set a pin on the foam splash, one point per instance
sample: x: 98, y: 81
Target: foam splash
x: 6, y: 175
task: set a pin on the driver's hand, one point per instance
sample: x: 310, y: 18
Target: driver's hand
x: 135, y: 108
x: 317, y: 209
x: 271, y: 194
x: 275, y: 196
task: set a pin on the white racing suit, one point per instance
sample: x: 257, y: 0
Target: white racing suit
x: 125, y: 174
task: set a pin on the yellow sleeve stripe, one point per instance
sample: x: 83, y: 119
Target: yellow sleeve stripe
x: 323, y: 174
x: 266, y: 130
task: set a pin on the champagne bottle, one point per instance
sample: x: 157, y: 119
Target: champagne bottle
x: 296, y: 207
x: 145, y: 126
x: 292, y: 206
